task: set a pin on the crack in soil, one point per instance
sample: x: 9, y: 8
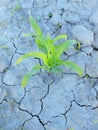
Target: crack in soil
x: 4, y: 100
x: 41, y: 100
x: 22, y: 97
x: 40, y: 121
x: 22, y: 126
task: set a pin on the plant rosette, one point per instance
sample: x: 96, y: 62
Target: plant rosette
x: 50, y: 53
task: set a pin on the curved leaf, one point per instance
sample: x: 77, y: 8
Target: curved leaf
x: 64, y: 46
x: 34, y: 25
x: 26, y: 78
x: 32, y: 54
x: 73, y: 66
x: 41, y: 42
x: 59, y: 37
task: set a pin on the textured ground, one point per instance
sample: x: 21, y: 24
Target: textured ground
x: 64, y: 102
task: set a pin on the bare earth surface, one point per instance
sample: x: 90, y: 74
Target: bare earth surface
x: 63, y: 102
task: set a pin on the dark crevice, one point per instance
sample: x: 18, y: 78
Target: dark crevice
x: 4, y: 100
x: 10, y: 63
x: 82, y: 105
x: 75, y: 87
x: 86, y: 106
x: 16, y: 49
x: 95, y: 88
x: 41, y: 100
x: 96, y: 93
x: 68, y: 109
x: 7, y: 84
x: 62, y: 12
x: 95, y: 49
x: 55, y: 116
x: 94, y: 108
x: 25, y: 111
x: 40, y: 121
x: 23, y: 96
x: 26, y: 122
x: 95, y: 83
x: 7, y: 70
x: 18, y: 23
x: 64, y: 114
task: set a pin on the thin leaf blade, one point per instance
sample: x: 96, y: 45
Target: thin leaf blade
x: 34, y: 25
x: 73, y: 66
x: 64, y: 46
x: 30, y: 55
x: 63, y: 36
x: 27, y: 77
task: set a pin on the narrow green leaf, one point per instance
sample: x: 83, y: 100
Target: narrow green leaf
x: 27, y: 77
x: 32, y: 54
x: 64, y: 46
x: 44, y: 44
x: 59, y: 37
x: 73, y: 66
x: 52, y: 60
x: 35, y: 26
x: 41, y: 42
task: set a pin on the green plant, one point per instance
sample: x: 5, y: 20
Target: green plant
x: 50, y: 53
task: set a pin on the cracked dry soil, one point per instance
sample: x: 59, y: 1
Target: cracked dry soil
x: 65, y: 102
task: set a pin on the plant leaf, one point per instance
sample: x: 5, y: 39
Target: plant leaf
x: 35, y: 26
x: 32, y: 54
x: 26, y: 78
x: 64, y: 46
x: 41, y: 42
x: 59, y: 37
x: 73, y: 66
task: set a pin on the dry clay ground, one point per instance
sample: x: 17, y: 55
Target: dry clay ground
x: 63, y: 102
